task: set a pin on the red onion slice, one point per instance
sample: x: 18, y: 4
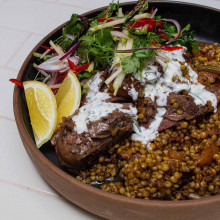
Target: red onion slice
x: 177, y: 26
x: 52, y: 65
x: 57, y: 79
x: 52, y: 80
x: 73, y: 48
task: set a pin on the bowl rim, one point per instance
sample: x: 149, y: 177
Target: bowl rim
x: 64, y: 175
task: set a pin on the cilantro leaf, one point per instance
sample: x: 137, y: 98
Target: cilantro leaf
x: 84, y: 75
x: 97, y: 46
x: 73, y: 25
x: 145, y: 54
x: 104, y: 38
x: 130, y: 64
x: 87, y: 40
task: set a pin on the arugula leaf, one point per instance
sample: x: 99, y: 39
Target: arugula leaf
x: 130, y: 64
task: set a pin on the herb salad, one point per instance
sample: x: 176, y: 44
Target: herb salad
x: 114, y: 38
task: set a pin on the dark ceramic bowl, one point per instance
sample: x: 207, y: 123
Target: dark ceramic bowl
x: 205, y: 22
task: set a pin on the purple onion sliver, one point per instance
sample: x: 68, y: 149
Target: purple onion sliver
x: 57, y: 78
x: 47, y: 78
x: 177, y: 26
x: 52, y: 80
x: 52, y: 65
x: 55, y: 86
x: 74, y: 47
x: 52, y: 69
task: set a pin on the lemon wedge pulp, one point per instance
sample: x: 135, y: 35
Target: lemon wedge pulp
x: 68, y: 97
x: 42, y: 109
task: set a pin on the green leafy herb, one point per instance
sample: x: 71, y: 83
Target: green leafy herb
x: 146, y: 41
x: 97, y: 46
x: 66, y: 42
x: 130, y: 64
x: 74, y: 25
x: 187, y: 39
x: 84, y: 75
x: 169, y: 29
x: 145, y: 54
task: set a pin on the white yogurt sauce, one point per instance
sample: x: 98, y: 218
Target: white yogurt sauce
x: 133, y: 93
x: 145, y: 135
x: 96, y: 107
x: 149, y: 74
x: 164, y: 85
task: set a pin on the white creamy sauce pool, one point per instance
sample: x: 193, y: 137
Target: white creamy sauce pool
x: 96, y: 107
x: 160, y: 90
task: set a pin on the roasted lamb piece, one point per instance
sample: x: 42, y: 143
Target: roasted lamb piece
x: 77, y: 151
x: 186, y: 109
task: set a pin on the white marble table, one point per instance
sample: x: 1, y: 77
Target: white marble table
x: 23, y: 23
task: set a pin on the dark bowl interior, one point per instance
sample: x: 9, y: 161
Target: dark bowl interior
x: 203, y: 20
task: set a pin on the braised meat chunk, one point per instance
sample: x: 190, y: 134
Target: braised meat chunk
x: 181, y: 107
x: 77, y: 151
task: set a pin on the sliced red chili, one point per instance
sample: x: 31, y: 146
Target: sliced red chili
x: 146, y: 21
x: 47, y: 48
x: 104, y: 19
x: 164, y: 36
x: 17, y: 82
x: 152, y: 10
x: 76, y: 68
x: 155, y: 43
x: 161, y: 34
x: 54, y: 90
x: 82, y: 67
x: 72, y: 65
x: 170, y: 49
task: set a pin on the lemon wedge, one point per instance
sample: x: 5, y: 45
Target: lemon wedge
x: 42, y: 109
x: 68, y: 97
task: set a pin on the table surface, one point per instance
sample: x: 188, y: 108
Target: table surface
x: 23, y: 23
